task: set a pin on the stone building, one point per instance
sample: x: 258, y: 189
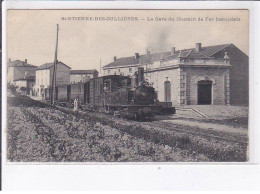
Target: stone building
x: 17, y: 69
x: 82, y: 75
x: 44, y: 76
x: 216, y: 75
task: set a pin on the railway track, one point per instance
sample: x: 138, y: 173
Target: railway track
x: 197, y: 132
x: 194, y: 131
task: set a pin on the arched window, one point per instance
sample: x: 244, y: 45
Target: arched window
x: 167, y: 91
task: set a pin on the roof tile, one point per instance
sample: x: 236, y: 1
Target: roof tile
x: 206, y: 52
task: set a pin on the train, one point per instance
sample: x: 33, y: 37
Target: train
x: 116, y: 94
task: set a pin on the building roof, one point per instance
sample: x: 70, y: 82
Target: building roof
x: 133, y: 61
x: 19, y: 63
x: 30, y: 75
x: 49, y: 65
x: 91, y: 71
x: 205, y: 52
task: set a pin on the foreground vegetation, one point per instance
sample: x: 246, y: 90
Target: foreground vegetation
x: 38, y: 132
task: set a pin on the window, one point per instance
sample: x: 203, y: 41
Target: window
x: 182, y: 101
x: 108, y: 71
x: 182, y: 93
x: 182, y: 77
x: 182, y: 85
x: 130, y: 70
x: 118, y: 70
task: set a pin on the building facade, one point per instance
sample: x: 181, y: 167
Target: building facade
x: 44, y: 76
x: 18, y: 69
x: 77, y: 76
x: 214, y: 75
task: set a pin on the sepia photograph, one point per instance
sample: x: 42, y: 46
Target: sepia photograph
x: 120, y: 86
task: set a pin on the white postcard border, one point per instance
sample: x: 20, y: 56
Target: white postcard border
x: 146, y: 176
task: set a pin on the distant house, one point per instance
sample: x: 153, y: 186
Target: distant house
x: 213, y: 75
x: 26, y: 84
x: 82, y: 75
x: 17, y: 69
x: 44, y: 76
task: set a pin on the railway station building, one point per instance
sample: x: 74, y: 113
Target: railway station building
x: 212, y: 75
x: 44, y: 74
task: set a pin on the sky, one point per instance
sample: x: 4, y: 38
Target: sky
x: 85, y: 44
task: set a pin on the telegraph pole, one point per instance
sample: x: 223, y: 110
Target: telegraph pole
x: 100, y: 66
x: 55, y: 69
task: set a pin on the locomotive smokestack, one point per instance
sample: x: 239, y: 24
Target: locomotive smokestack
x: 140, y: 75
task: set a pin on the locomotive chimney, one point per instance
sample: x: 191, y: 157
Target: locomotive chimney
x: 140, y: 75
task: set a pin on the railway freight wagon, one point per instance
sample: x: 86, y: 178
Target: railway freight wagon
x: 66, y: 94
x: 47, y: 94
x: 77, y: 91
x: 62, y: 94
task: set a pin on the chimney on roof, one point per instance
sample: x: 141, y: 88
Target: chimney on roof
x: 198, y: 47
x: 136, y: 55
x: 114, y: 58
x: 10, y: 60
x: 25, y: 60
x: 173, y: 51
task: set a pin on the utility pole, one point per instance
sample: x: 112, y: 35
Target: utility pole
x: 100, y: 66
x: 55, y: 69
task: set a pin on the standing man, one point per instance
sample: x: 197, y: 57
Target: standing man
x: 76, y: 105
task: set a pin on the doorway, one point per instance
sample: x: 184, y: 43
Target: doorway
x: 205, y: 92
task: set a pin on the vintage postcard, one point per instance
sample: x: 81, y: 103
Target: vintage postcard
x: 127, y: 86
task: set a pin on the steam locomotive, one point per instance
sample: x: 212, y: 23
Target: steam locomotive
x: 117, y: 94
